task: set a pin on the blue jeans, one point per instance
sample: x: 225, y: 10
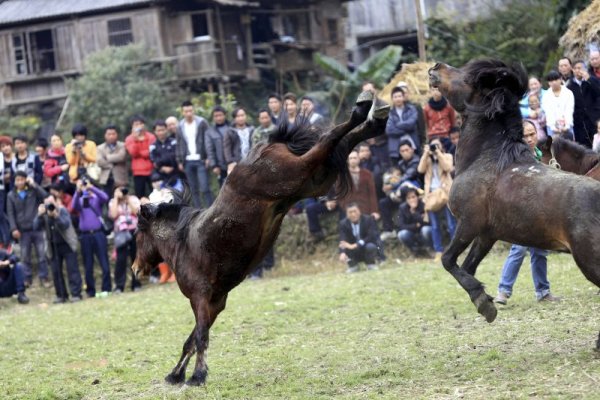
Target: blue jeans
x: 436, y: 228
x: 539, y: 270
x: 197, y: 177
x: 95, y: 243
x: 30, y: 240
x: 416, y: 241
x: 14, y: 283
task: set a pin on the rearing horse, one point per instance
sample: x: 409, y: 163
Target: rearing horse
x: 213, y: 251
x: 500, y: 191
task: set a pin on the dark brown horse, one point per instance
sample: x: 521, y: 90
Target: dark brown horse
x: 571, y: 157
x: 500, y: 191
x: 213, y: 251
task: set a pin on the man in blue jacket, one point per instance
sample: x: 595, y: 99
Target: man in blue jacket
x: 401, y: 125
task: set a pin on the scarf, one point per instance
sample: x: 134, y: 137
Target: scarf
x: 438, y: 105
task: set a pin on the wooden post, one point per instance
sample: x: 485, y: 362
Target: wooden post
x: 420, y: 31
x: 222, y: 42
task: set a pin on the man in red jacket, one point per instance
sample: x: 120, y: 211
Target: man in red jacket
x: 439, y: 117
x: 138, y: 146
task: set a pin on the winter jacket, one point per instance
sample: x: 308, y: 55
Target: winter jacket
x: 182, y: 144
x: 408, y: 220
x: 232, y: 145
x: 22, y: 212
x: 163, y: 154
x: 402, y: 127
x: 61, y: 226
x: 214, y: 146
x: 409, y: 169
x: 113, y: 160
x: 55, y: 159
x: 32, y: 166
x: 139, y: 150
x: 367, y: 230
x: 439, y: 122
x: 75, y: 161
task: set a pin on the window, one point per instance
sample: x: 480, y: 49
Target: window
x: 34, y: 52
x: 200, y: 25
x: 119, y: 32
x: 332, y: 29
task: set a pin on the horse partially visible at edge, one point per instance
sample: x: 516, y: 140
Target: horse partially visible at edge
x: 500, y: 192
x: 570, y: 156
x: 213, y: 251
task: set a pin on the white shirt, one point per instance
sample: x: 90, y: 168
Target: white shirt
x: 244, y: 135
x: 190, y: 130
x: 558, y: 107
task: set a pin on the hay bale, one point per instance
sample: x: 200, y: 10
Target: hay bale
x: 583, y: 30
x: 417, y: 78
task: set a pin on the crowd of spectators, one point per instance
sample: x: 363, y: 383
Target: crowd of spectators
x: 68, y: 202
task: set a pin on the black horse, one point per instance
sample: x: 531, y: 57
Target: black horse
x: 500, y: 191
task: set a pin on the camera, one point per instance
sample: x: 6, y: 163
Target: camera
x: 125, y: 191
x: 84, y: 181
x: 432, y: 147
x: 78, y: 144
x: 51, y: 207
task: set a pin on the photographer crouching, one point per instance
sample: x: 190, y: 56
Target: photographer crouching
x: 62, y: 245
x: 12, y: 277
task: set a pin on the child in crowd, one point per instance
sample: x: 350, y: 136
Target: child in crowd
x: 537, y: 116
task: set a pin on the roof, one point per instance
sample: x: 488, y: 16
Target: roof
x: 17, y: 11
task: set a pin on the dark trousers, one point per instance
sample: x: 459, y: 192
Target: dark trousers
x: 313, y: 211
x: 386, y: 209
x: 95, y: 243
x: 62, y: 252
x: 197, y: 177
x: 4, y: 228
x: 14, y: 282
x: 364, y: 254
x: 122, y: 265
x: 142, y: 186
x: 266, y: 264
x: 381, y: 153
x: 109, y: 188
x: 30, y: 240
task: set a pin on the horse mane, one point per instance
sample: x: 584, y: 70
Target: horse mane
x: 301, y: 136
x: 500, y: 88
x: 589, y: 158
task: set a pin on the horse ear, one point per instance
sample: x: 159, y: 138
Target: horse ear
x: 148, y: 211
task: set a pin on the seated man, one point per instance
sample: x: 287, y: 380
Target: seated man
x: 414, y: 233
x: 358, y: 239
x: 12, y: 277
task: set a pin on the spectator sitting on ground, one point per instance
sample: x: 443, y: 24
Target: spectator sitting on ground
x: 307, y: 109
x: 265, y: 128
x: 26, y: 161
x: 112, y: 160
x: 358, y: 239
x: 214, y: 143
x: 88, y: 201
x: 409, y: 176
x: 414, y: 232
x: 22, y: 205
x: 401, y: 125
x: 55, y: 166
x: 274, y: 104
x: 54, y: 219
x: 12, y: 277
x: 80, y: 152
x: 238, y: 140
x: 138, y: 146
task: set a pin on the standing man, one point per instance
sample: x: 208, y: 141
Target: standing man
x: 421, y: 126
x: 112, y: 159
x: 80, y: 152
x: 586, y: 92
x: 594, y: 69
x: 401, y: 125
x: 558, y: 105
x: 565, y: 68
x: 291, y: 108
x: 162, y: 153
x: 307, y: 107
x: 191, y: 154
x: 265, y: 128
x: 27, y: 161
x: 358, y: 239
x: 22, y: 207
x: 214, y: 143
x: 539, y: 260
x: 274, y: 104
x: 138, y: 146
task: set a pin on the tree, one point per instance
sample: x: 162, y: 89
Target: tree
x: 343, y: 85
x: 13, y: 125
x: 118, y: 83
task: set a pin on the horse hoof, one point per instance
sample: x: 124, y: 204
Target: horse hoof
x: 381, y: 111
x: 175, y: 379
x: 365, y: 97
x: 485, y: 306
x: 198, y: 379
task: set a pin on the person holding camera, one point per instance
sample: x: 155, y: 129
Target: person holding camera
x: 437, y: 166
x: 54, y: 218
x: 21, y: 207
x: 88, y: 201
x: 80, y: 153
x: 123, y: 209
x: 138, y: 146
x: 12, y: 277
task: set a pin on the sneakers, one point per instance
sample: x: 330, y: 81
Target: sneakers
x: 549, y: 297
x: 387, y: 235
x: 75, y: 299
x: 59, y: 300
x: 372, y: 267
x: 438, y: 257
x: 351, y: 270
x: 501, y: 298
x: 22, y: 298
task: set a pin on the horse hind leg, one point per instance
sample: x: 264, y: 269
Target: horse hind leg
x: 460, y: 242
x: 480, y: 248
x: 177, y: 375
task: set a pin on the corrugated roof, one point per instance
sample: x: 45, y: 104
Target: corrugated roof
x: 14, y: 11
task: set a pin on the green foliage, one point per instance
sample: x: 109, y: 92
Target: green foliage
x: 12, y: 125
x: 118, y: 83
x: 519, y: 31
x: 343, y: 85
x: 206, y: 101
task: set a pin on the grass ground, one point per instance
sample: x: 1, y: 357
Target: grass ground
x: 406, y: 331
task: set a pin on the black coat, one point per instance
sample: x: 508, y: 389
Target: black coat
x: 409, y: 169
x: 587, y: 109
x: 164, y: 154
x: 368, y: 230
x: 408, y: 220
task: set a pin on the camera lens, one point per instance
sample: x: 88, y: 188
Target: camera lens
x: 51, y: 207
x: 125, y: 191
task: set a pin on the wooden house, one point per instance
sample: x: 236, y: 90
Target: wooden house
x: 43, y: 42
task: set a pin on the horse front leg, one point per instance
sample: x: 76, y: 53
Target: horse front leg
x: 189, y: 348
x: 460, y: 242
x: 373, y: 126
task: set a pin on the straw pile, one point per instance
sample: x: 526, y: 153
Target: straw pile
x: 583, y: 30
x: 417, y: 79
